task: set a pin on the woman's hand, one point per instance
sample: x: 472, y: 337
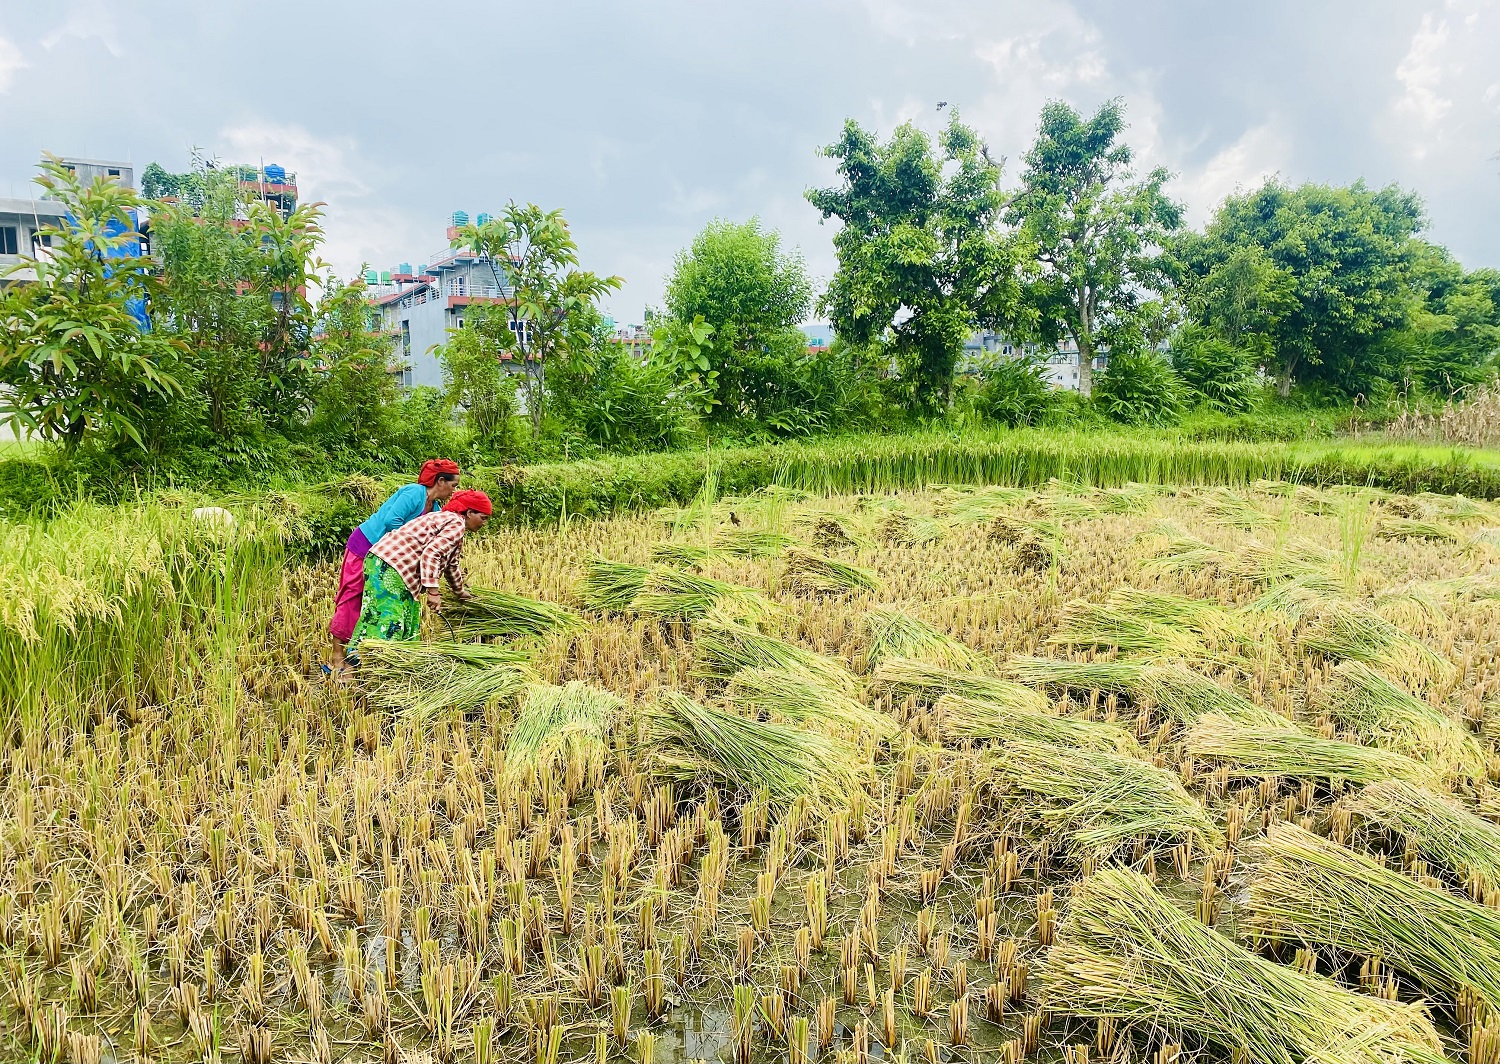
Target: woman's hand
x: 434, y: 600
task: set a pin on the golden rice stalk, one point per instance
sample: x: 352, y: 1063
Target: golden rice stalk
x: 796, y: 694
x: 1438, y: 828
x: 903, y: 676
x: 724, y: 648
x: 750, y: 757
x: 900, y: 529
x: 667, y: 592
x: 556, y: 724
x: 1383, y: 713
x: 1348, y: 631
x: 752, y: 543
x: 1310, y: 890
x: 1102, y: 799
x: 1285, y: 750
x: 820, y: 574
x: 1180, y: 693
x: 422, y: 680
x: 976, y: 719
x: 1204, y: 616
x: 681, y: 555
x: 1406, y: 528
x: 1093, y: 624
x: 889, y: 633
x: 1123, y: 952
x: 500, y: 614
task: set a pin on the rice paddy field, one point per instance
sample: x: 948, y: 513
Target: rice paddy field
x: 960, y: 774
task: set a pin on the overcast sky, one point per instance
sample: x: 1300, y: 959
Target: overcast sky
x: 644, y: 120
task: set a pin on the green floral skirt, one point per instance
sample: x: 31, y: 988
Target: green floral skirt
x: 387, y: 610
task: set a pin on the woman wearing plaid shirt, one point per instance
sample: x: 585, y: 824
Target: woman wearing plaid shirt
x: 406, y: 565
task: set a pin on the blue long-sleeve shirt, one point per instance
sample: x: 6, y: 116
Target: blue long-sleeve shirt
x: 405, y: 505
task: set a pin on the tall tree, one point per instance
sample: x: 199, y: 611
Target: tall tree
x: 533, y: 253
x: 1311, y: 278
x: 922, y: 263
x: 77, y: 356
x: 1097, y: 233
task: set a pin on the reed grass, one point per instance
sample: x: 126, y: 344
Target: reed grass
x: 1436, y: 827
x: 1101, y: 799
x: 978, y: 720
x: 890, y: 633
x: 1123, y: 952
x: 1310, y: 890
x: 1386, y: 715
x: 1287, y: 751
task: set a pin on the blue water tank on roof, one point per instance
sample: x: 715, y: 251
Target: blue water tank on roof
x: 422, y: 269
x: 460, y: 217
x: 372, y: 277
x: 405, y: 267
x: 275, y: 173
x: 482, y: 219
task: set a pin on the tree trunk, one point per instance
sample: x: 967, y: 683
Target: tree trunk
x: 1085, y: 344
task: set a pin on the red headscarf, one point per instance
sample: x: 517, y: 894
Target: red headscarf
x: 464, y: 501
x: 435, y: 467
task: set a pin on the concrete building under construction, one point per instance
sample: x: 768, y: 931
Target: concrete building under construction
x: 22, y: 221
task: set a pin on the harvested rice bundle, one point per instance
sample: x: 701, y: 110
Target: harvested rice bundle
x: 682, y: 555
x: 749, y: 756
x: 670, y: 593
x: 900, y: 529
x: 1458, y: 507
x: 1308, y: 889
x: 1182, y: 553
x: 889, y: 633
x: 823, y: 575
x: 1204, y: 616
x: 726, y: 648
x: 1406, y: 528
x: 1093, y: 624
x: 829, y: 534
x: 1287, y: 751
x: 1233, y: 509
x: 748, y: 543
x: 1378, y: 710
x: 805, y: 697
x: 609, y: 586
x: 1011, y: 530
x: 1264, y: 564
x: 905, y: 676
x: 423, y: 680
x: 556, y: 724
x: 500, y: 614
x: 1438, y: 828
x: 1182, y: 694
x: 975, y: 718
x: 1348, y: 631
x: 1103, y: 799
x: 1124, y: 952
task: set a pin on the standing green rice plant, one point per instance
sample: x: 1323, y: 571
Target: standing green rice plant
x: 1285, y: 750
x: 1435, y: 826
x: 1123, y: 952
x: 904, y: 676
x: 820, y: 574
x: 889, y: 633
x: 794, y: 693
x: 1102, y: 799
x: 725, y: 647
x: 1383, y: 713
x: 976, y: 719
x: 555, y: 724
x: 1311, y: 890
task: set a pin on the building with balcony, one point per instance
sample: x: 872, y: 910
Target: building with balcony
x: 1060, y: 364
x: 22, y: 221
x: 418, y: 308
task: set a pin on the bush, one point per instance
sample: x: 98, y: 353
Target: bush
x: 615, y: 401
x: 1013, y: 390
x: 1139, y: 388
x: 1215, y: 372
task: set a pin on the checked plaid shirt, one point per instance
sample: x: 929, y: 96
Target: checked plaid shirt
x: 424, y: 549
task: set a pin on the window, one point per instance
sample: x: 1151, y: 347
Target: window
x: 458, y: 323
x: 406, y: 339
x: 113, y: 172
x: 9, y: 240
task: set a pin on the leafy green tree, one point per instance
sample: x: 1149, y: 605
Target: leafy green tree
x: 922, y: 263
x: 1452, y: 339
x: 1013, y: 389
x: 76, y: 363
x: 1310, y: 278
x: 736, y: 279
x: 355, y: 390
x: 1214, y: 371
x: 683, y: 349
x: 616, y: 400
x: 552, y: 302
x: 475, y: 381
x: 1139, y: 387
x: 1097, y: 233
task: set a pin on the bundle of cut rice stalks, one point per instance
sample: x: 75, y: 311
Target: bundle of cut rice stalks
x: 1406, y: 528
x: 961, y: 718
x: 901, y: 529
x: 1349, y: 631
x: 1093, y: 624
x: 1232, y: 509
x: 1180, y: 693
x: 1436, y: 827
x: 905, y: 676
x: 806, y: 698
x: 670, y: 593
x: 423, y: 680
x: 557, y: 725
x: 724, y: 648
x: 819, y: 574
x: 889, y: 633
x: 1126, y: 953
x: 1381, y: 712
x: 682, y: 555
x: 491, y: 613
x: 1102, y: 799
x: 829, y: 534
x: 610, y: 587
x: 1310, y: 890
x: 751, y: 543
x: 1285, y: 750
x: 746, y: 756
x: 1206, y: 617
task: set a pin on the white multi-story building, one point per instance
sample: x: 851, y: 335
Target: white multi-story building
x: 1061, y: 363
x: 418, y: 308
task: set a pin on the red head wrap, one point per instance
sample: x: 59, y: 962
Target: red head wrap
x: 435, y: 467
x: 466, y: 500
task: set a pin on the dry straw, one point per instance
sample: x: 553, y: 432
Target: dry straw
x: 1285, y: 750
x: 1124, y: 953
x: 1311, y: 890
x: 1102, y: 799
x: 820, y: 574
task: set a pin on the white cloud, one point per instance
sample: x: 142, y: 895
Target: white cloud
x: 10, y: 63
x: 1259, y: 153
x: 1421, y: 74
x: 85, y: 20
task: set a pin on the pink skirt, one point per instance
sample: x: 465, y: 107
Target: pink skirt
x: 346, y: 605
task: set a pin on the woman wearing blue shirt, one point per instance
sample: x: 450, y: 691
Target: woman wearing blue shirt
x: 434, y: 487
